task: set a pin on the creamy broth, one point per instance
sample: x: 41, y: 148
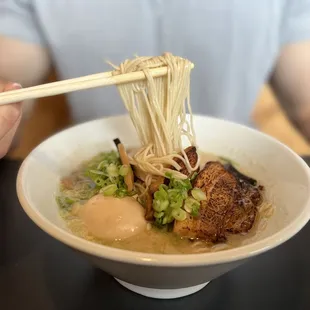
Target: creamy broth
x: 153, y: 240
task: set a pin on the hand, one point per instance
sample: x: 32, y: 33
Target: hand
x: 10, y: 116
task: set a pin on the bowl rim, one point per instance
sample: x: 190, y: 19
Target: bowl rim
x: 166, y: 260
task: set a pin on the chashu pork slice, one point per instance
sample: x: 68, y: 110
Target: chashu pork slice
x: 191, y: 153
x: 219, y: 186
x: 241, y: 218
x: 230, y: 207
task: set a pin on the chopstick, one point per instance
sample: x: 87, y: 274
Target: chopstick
x: 80, y: 83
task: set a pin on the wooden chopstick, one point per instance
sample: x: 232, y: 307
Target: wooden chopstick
x: 80, y: 83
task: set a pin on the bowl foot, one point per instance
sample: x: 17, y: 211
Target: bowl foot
x: 162, y: 293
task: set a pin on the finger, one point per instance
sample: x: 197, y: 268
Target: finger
x: 6, y: 140
x: 5, y: 85
x: 10, y: 86
x: 10, y: 113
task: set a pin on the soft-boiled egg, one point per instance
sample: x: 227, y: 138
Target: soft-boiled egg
x: 112, y: 218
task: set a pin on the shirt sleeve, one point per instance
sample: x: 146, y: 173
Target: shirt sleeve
x: 19, y: 21
x: 296, y: 21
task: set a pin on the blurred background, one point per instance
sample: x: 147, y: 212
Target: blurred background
x: 50, y: 115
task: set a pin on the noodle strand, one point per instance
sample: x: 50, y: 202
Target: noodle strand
x: 158, y: 108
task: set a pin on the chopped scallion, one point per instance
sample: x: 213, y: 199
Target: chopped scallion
x: 160, y: 205
x: 176, y: 204
x: 193, y: 176
x: 109, y: 190
x: 168, y: 175
x: 163, y: 187
x: 97, y: 172
x: 161, y: 195
x: 121, y: 193
x: 190, y: 204
x: 112, y: 170
x: 179, y: 214
x: 195, y: 210
x: 198, y: 194
x: 167, y: 219
x: 99, y: 182
x: 159, y: 215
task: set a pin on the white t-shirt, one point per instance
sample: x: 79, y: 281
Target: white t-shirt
x: 233, y: 44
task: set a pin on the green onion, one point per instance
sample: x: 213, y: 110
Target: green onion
x: 103, y: 174
x: 198, y: 194
x: 180, y: 184
x: 133, y: 193
x: 195, y: 210
x: 161, y: 195
x: 193, y: 176
x: 64, y: 202
x: 159, y: 215
x: 179, y: 214
x: 121, y: 193
x: 174, y: 194
x: 159, y: 222
x: 176, y: 204
x: 69, y: 200
x: 172, y: 202
x: 102, y: 164
x: 124, y: 170
x: 168, y: 175
x: 112, y: 170
x: 184, y: 194
x: 160, y: 205
x: 163, y: 187
x: 190, y: 204
x: 109, y: 190
x: 97, y: 172
x: 60, y: 202
x: 99, y: 182
x: 167, y: 219
x: 188, y: 207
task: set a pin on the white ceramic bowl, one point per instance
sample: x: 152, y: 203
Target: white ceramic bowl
x: 284, y: 174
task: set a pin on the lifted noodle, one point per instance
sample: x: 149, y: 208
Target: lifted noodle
x: 158, y: 108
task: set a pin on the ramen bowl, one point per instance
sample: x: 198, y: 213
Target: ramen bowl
x: 283, y: 173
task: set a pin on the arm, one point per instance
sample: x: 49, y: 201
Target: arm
x: 23, y: 50
x: 23, y: 55
x: 23, y: 59
x: 25, y: 63
x: 291, y: 84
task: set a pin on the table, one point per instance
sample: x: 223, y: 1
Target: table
x: 38, y: 272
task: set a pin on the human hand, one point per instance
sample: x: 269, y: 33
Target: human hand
x: 10, y: 116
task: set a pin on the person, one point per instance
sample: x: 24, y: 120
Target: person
x: 236, y: 46
x: 10, y: 117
